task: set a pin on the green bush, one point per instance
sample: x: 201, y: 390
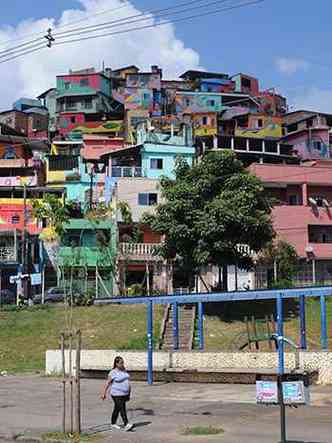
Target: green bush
x: 86, y: 299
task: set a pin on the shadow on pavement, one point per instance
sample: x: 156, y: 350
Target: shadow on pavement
x: 107, y: 427
x: 141, y: 424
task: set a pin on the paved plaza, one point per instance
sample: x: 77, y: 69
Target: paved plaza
x: 32, y: 404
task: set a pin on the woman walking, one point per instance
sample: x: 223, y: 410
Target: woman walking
x: 118, y: 380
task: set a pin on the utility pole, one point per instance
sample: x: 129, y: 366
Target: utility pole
x: 24, y: 239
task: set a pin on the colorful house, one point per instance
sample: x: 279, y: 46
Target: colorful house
x: 302, y: 215
x: 84, y: 97
x: 310, y: 133
x: 88, y: 253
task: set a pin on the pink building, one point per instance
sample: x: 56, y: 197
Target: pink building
x: 303, y: 213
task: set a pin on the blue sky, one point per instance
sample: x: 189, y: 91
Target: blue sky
x: 284, y: 43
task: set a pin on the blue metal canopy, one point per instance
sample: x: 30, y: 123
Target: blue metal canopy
x: 211, y: 297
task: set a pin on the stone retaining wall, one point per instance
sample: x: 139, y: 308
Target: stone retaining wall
x: 137, y: 360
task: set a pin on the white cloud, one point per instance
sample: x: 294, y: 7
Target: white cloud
x: 314, y: 99
x: 34, y: 73
x: 289, y: 65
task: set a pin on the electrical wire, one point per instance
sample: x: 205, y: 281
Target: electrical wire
x: 32, y: 49
x: 123, y: 20
x: 155, y: 25
x: 88, y: 18
x: 148, y: 14
x: 149, y: 18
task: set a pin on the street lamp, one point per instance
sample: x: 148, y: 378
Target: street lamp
x: 93, y: 169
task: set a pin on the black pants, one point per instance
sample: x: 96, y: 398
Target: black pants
x: 119, y: 408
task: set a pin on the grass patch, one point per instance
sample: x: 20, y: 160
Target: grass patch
x: 202, y: 430
x: 26, y: 334
x: 230, y: 334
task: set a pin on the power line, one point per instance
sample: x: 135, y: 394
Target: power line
x: 105, y: 25
x: 154, y: 25
x: 149, y: 14
x: 123, y: 20
x: 88, y: 18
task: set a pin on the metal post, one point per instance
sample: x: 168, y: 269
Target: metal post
x: 42, y: 270
x: 24, y: 245
x: 175, y: 326
x: 78, y: 382
x: 313, y: 271
x: 281, y: 367
x: 201, y: 325
x: 323, y: 322
x: 150, y: 341
x: 0, y: 289
x: 63, y: 383
x: 91, y: 189
x: 303, y: 333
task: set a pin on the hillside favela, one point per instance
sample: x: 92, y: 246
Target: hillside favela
x: 165, y: 240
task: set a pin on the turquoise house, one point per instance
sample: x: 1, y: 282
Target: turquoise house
x: 160, y: 151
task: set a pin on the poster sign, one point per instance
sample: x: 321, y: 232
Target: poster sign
x: 266, y: 392
x: 294, y: 392
x: 35, y: 279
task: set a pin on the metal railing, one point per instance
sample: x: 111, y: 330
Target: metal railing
x: 8, y: 254
x: 127, y: 171
x: 140, y: 249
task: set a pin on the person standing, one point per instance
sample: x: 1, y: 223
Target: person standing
x: 119, y: 382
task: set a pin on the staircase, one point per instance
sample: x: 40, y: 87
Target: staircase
x: 186, y: 317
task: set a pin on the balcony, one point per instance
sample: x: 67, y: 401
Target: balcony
x: 127, y: 171
x: 17, y: 163
x: 139, y: 251
x: 8, y: 254
x: 247, y: 145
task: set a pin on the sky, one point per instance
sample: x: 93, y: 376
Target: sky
x: 284, y: 43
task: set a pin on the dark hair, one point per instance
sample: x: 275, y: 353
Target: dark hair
x: 116, y: 361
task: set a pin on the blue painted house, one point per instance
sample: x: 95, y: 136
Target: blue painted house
x: 159, y: 151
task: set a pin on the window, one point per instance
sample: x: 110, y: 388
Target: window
x: 187, y: 102
x: 246, y: 83
x: 156, y: 163
x: 211, y: 103
x: 260, y: 123
x: 67, y: 85
x: 204, y: 121
x: 309, y: 123
x: 147, y: 199
x: 146, y: 96
x: 293, y: 200
x: 317, y: 144
x: 84, y: 82
x: 15, y: 219
x: 88, y: 103
x: 292, y: 128
x: 71, y: 104
x: 73, y: 119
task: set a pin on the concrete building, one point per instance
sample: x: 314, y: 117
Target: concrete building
x: 310, y: 133
x: 302, y: 216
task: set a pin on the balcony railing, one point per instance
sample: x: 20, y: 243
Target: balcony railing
x: 8, y: 254
x: 138, y: 249
x: 247, y: 145
x: 127, y: 171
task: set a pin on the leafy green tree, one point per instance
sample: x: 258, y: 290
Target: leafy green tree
x: 52, y: 210
x: 210, y: 209
x: 283, y: 257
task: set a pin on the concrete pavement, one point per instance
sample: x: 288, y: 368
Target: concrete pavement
x: 161, y: 412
